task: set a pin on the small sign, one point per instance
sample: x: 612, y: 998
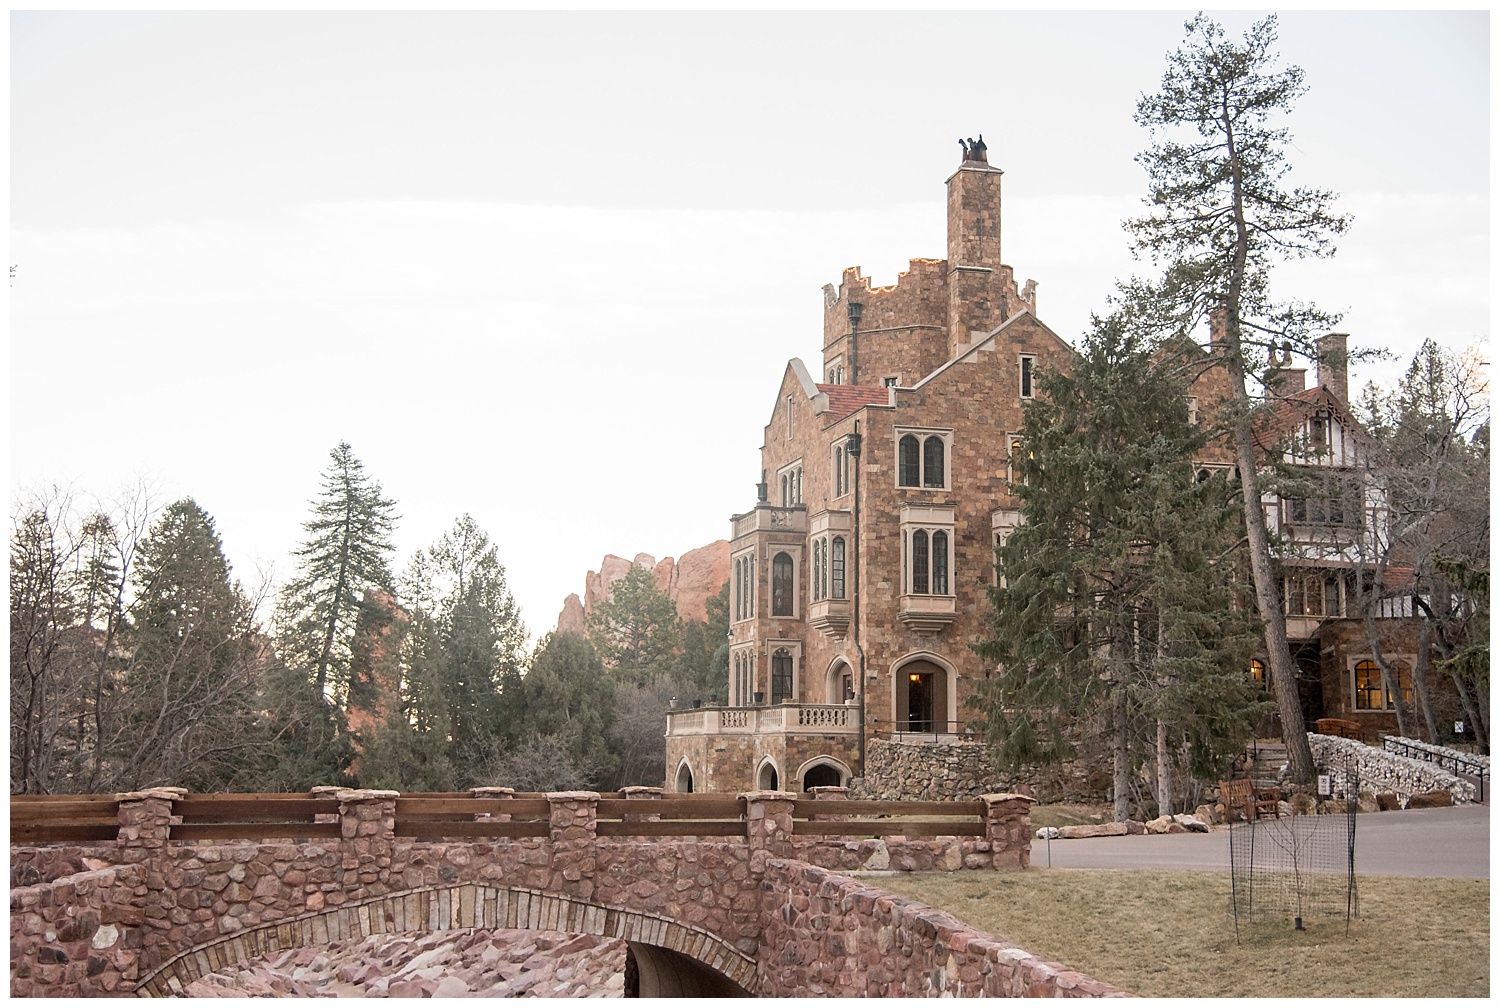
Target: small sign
x: 1325, y: 785
x: 1458, y: 727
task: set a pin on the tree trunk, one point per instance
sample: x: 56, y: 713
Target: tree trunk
x: 1389, y: 681
x: 1419, y: 681
x: 1121, y: 749
x: 1163, y: 770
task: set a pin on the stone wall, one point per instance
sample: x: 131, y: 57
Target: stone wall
x: 1383, y: 771
x: 171, y: 913
x: 960, y: 771
x: 79, y: 936
x: 832, y: 935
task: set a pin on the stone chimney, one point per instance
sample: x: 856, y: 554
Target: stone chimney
x: 1333, y: 364
x: 1283, y: 380
x: 976, y: 301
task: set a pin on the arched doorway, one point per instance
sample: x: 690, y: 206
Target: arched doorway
x: 821, y: 775
x: 684, y: 781
x: 922, y: 698
x: 767, y: 779
x: 839, y: 686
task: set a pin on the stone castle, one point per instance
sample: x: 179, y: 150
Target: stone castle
x: 858, y: 576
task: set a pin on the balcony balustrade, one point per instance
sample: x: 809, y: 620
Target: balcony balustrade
x: 779, y: 719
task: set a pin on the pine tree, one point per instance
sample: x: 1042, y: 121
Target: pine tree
x: 636, y: 630
x: 347, y: 553
x: 196, y: 668
x: 1115, y: 603
x: 1220, y: 219
x: 466, y: 641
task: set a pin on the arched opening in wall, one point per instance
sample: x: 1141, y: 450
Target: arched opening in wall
x: 922, y: 698
x: 684, y: 782
x: 703, y: 964
x: 767, y: 779
x: 821, y: 775
x: 839, y: 686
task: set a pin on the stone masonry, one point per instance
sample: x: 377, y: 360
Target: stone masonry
x: 165, y: 913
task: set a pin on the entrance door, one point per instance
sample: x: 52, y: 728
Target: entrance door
x: 919, y: 702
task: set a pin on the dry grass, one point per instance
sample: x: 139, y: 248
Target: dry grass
x: 1170, y: 934
x: 1070, y: 815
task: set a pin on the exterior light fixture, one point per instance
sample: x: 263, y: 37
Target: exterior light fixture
x: 855, y: 310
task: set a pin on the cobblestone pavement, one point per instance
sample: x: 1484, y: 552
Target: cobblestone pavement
x: 1436, y: 843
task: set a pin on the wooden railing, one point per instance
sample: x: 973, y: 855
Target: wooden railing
x: 432, y: 816
x: 878, y: 818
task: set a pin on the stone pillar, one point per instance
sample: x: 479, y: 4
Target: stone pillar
x: 829, y: 793
x: 639, y: 792
x: 493, y: 792
x: 768, y: 826
x: 146, y: 821
x: 572, y: 836
x: 1007, y: 827
x: 367, y: 833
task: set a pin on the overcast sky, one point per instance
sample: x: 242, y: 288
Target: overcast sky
x: 548, y: 269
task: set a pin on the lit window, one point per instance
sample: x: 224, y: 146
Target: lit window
x: 1258, y: 672
x: 1369, y: 688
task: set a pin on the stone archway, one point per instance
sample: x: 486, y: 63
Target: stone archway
x: 767, y: 777
x: 471, y: 905
x: 683, y: 782
x: 924, y: 697
x: 823, y: 771
x: 838, y: 684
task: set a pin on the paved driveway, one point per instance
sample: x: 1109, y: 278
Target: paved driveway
x: 1440, y: 843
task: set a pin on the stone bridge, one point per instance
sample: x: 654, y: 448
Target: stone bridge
x: 760, y: 911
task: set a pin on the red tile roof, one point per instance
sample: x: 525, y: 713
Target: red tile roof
x: 845, y: 399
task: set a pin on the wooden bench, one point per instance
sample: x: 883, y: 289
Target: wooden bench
x: 1250, y: 801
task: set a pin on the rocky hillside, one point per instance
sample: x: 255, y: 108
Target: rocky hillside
x: 688, y: 580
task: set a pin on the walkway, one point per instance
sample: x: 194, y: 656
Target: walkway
x: 1435, y: 843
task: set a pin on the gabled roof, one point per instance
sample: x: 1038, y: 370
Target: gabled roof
x: 845, y: 399
x: 1282, y: 417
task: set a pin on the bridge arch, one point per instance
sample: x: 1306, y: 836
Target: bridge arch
x: 714, y: 967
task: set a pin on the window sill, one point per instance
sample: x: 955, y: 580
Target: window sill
x: 928, y: 613
x: 830, y: 616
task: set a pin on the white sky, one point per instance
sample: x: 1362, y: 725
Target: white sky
x: 548, y: 269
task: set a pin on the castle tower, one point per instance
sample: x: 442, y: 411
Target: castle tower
x: 976, y: 298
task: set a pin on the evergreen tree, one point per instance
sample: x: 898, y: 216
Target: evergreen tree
x: 196, y: 668
x: 562, y: 709
x: 466, y: 640
x: 703, y: 665
x: 1115, y: 603
x: 1220, y: 219
x: 636, y: 630
x: 346, y: 554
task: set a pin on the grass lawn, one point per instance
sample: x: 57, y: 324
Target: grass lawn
x: 1170, y: 933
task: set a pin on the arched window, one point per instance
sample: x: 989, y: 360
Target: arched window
x: 786, y: 492
x: 919, y: 564
x: 684, y: 780
x: 817, y: 578
x: 932, y: 462
x: 781, y: 676
x: 909, y: 463
x: 739, y: 590
x: 781, y: 585
x: 939, y: 563
x: 837, y: 563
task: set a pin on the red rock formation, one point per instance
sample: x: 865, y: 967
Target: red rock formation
x: 688, y: 581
